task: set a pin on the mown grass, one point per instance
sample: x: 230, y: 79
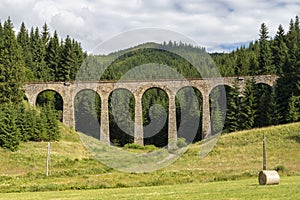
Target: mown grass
x: 241, y: 189
x: 235, y: 156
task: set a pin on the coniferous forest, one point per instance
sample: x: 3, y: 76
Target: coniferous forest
x: 39, y: 55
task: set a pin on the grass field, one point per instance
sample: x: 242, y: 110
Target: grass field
x: 236, y: 156
x: 240, y: 189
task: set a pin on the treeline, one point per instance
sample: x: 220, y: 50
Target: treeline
x: 21, y: 124
x: 258, y: 105
x: 32, y: 56
x: 280, y: 56
x: 46, y: 57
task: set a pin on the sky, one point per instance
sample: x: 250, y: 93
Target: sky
x: 217, y: 25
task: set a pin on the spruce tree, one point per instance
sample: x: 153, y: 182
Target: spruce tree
x: 67, y: 61
x: 9, y: 132
x: 78, y: 57
x: 280, y: 51
x: 11, y: 67
x: 263, y: 102
x: 287, y: 82
x: 273, y: 114
x: 232, y: 122
x: 53, y: 57
x: 24, y: 42
x: 247, y: 113
x: 38, y: 50
x: 45, y: 35
x: 265, y: 56
x: 51, y: 125
x: 293, y: 114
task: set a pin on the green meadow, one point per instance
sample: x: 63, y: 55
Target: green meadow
x: 229, y: 171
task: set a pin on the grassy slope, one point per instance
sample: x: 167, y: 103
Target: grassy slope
x: 236, y: 156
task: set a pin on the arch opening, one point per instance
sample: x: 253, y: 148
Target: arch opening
x: 189, y: 114
x: 53, y: 98
x: 121, y: 117
x: 155, y: 107
x: 87, y: 106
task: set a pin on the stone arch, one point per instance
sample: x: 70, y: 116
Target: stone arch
x: 147, y: 87
x: 121, y: 109
x: 225, y: 84
x: 87, y: 112
x: 76, y: 92
x: 189, y: 111
x: 156, y: 126
x: 51, y: 96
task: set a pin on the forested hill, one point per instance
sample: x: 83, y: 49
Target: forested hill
x: 38, y: 55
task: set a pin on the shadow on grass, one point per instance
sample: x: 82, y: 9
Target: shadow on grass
x: 295, y: 137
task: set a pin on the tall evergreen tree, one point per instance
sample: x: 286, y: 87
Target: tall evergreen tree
x: 24, y: 42
x: 265, y: 56
x: 51, y: 123
x: 11, y: 67
x: 9, y: 132
x: 280, y: 51
x: 242, y: 62
x: 38, y: 50
x: 53, y: 57
x: 293, y: 114
x: 273, y: 114
x: 247, y: 113
x: 45, y: 35
x: 67, y: 61
x: 263, y: 105
x: 232, y: 122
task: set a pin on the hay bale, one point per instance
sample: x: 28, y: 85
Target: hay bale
x: 268, y: 177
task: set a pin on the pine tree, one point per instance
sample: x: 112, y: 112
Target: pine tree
x: 253, y: 63
x: 280, y: 51
x: 53, y: 57
x: 45, y: 35
x: 79, y: 57
x: 31, y: 127
x: 265, y: 56
x: 242, y: 62
x: 24, y: 42
x: 51, y: 123
x: 38, y: 51
x: 247, y: 113
x: 293, y: 114
x: 42, y: 133
x: 287, y: 82
x: 273, y: 114
x: 263, y: 102
x: 11, y: 67
x: 9, y: 132
x: 232, y: 122
x: 67, y: 61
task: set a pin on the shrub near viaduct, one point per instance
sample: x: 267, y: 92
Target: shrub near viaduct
x: 68, y: 93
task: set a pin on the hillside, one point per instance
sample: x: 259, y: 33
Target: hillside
x: 236, y: 156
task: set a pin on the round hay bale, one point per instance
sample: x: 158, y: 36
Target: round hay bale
x: 268, y: 177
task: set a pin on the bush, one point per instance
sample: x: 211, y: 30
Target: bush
x: 133, y: 146
x: 279, y: 168
x: 181, y: 142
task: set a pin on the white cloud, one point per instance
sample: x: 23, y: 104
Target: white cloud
x: 210, y: 23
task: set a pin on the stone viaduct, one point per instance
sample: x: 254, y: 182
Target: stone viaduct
x: 68, y: 93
